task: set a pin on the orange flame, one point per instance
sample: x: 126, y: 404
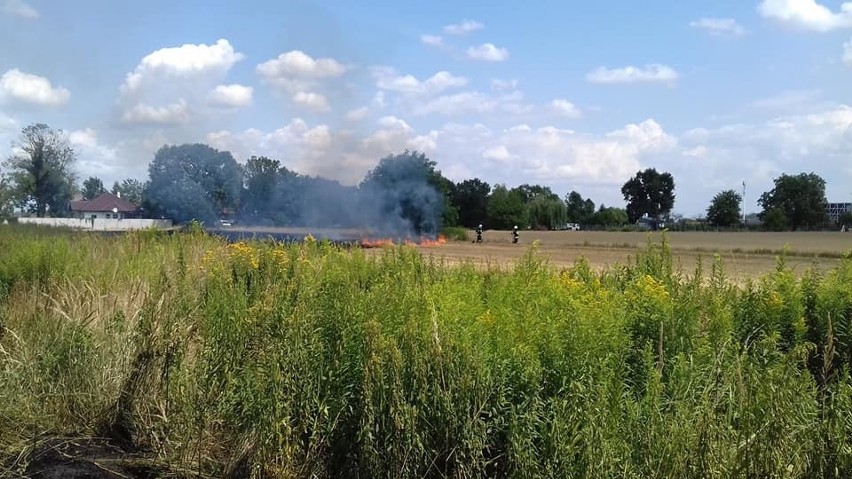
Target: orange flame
x: 436, y: 242
x: 380, y: 242
x: 376, y: 243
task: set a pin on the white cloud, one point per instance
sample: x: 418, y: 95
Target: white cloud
x: 358, y: 114
x: 175, y: 113
x: 298, y: 65
x: 463, y: 28
x: 233, y: 95
x: 388, y: 79
x: 19, y: 8
x: 16, y: 85
x: 498, y: 153
x: 565, y: 108
x: 432, y: 40
x: 719, y: 26
x: 807, y: 14
x: 498, y: 84
x: 185, y: 62
x: 311, y: 101
x: 488, y: 52
x: 94, y: 158
x: 847, y: 53
x: 654, y: 73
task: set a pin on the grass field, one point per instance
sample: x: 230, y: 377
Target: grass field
x: 182, y: 355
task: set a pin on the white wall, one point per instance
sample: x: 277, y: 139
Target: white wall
x: 98, y: 224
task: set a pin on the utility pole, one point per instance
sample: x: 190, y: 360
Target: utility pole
x: 743, y: 201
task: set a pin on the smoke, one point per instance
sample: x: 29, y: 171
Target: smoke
x: 397, y: 199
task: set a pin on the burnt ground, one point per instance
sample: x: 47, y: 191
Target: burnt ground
x: 80, y: 458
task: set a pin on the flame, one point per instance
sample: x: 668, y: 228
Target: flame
x: 380, y: 242
x: 435, y: 242
x: 376, y: 243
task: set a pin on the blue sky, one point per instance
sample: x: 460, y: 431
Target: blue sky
x: 573, y: 95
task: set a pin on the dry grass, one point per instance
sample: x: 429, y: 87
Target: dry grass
x: 745, y: 255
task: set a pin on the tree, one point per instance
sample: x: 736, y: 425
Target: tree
x: 649, y: 193
x: 411, y: 193
x: 609, y: 217
x: 193, y: 181
x: 470, y: 197
x: 6, y: 198
x: 801, y: 198
x: 547, y: 211
x: 260, y: 188
x: 130, y: 189
x: 724, y: 210
x: 506, y: 208
x: 41, y: 173
x: 92, y: 188
x: 578, y: 209
x: 845, y: 219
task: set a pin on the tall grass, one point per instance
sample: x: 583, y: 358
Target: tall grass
x: 265, y: 360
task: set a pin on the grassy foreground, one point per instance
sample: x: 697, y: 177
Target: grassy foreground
x: 307, y: 360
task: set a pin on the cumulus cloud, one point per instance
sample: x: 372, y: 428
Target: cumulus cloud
x: 16, y: 85
x: 463, y: 28
x: 724, y: 27
x: 498, y: 153
x: 311, y: 101
x: 187, y: 61
x: 654, y: 73
x: 565, y: 108
x: 847, y: 53
x: 807, y: 14
x: 488, y: 52
x: 231, y: 96
x: 297, y: 64
x: 172, y: 114
x: 432, y: 40
x: 94, y: 157
x: 388, y: 79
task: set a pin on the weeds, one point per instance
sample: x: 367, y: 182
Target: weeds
x: 305, y: 360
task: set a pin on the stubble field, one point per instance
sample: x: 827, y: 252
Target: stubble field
x: 744, y: 255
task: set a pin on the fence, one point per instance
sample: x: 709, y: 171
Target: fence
x: 98, y: 224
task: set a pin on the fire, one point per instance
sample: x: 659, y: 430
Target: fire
x: 435, y: 242
x: 380, y: 242
x: 376, y: 243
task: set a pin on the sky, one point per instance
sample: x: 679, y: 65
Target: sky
x: 567, y: 94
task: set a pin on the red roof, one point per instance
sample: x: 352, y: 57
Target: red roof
x: 105, y: 203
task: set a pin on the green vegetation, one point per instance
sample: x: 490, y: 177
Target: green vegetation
x: 309, y: 360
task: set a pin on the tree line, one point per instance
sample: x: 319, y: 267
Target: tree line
x: 405, y: 190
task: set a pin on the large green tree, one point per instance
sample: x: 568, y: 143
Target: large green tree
x: 470, y: 197
x: 92, y: 188
x: 130, y: 189
x: 724, y: 210
x: 800, y: 197
x: 579, y: 210
x: 193, y: 181
x: 409, y: 189
x: 506, y: 208
x: 41, y: 171
x: 650, y: 193
x: 261, y: 177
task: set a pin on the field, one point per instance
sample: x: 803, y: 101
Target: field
x: 182, y: 355
x: 746, y: 255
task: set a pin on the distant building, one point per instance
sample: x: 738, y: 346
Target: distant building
x: 107, y: 206
x: 836, y: 210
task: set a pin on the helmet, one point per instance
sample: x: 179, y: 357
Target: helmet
x: 480, y: 225
x: 516, y: 226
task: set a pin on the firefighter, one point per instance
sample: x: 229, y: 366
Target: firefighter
x: 515, y: 234
x: 479, y: 234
